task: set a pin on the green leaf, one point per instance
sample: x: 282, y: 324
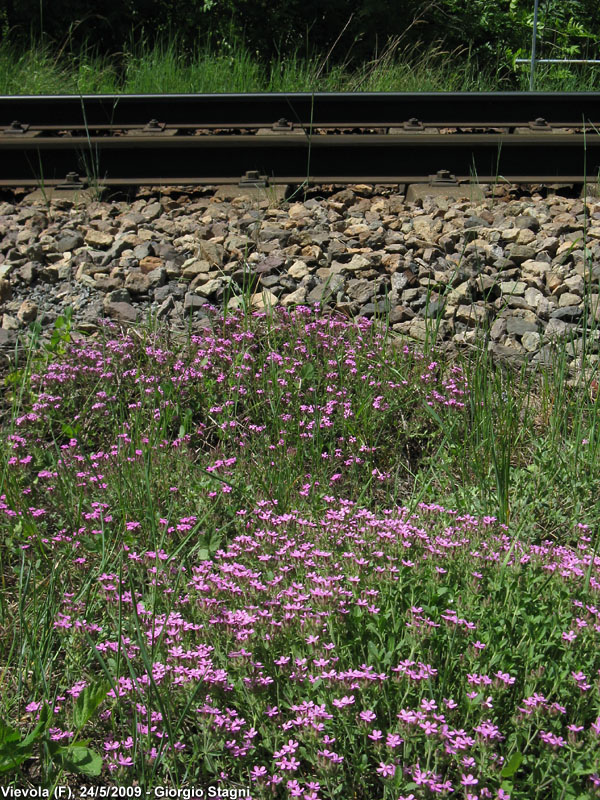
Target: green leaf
x: 209, y: 765
x: 70, y: 431
x: 42, y: 725
x: 214, y: 542
x: 373, y: 650
x: 79, y: 759
x: 11, y: 760
x: 87, y: 703
x: 7, y: 734
x: 54, y: 747
x: 513, y: 764
x: 583, y: 770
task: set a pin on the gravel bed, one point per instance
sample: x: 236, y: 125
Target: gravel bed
x: 516, y: 272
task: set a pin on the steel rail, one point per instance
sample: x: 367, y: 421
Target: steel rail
x: 303, y: 109
x: 192, y: 129
x: 284, y: 158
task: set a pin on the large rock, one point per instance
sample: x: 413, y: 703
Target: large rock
x: 210, y: 287
x: 137, y: 283
x: 517, y: 326
x: 356, y: 263
x: 513, y: 287
x: 27, y: 312
x: 473, y: 315
x: 568, y: 313
x: 193, y: 267
x: 298, y: 270
x: 295, y: 298
x: 192, y: 303
x: 212, y: 252
x: 68, y: 241
x: 99, y: 240
x: 522, y: 252
x: 531, y: 341
x: 121, y: 312
x: 264, y: 299
x: 149, y: 263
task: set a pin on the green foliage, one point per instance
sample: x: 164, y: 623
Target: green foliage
x: 255, y: 45
x: 74, y: 757
x: 61, y: 334
x: 175, y: 509
x: 14, y: 750
x: 87, y: 703
x: 512, y: 765
x: 78, y: 758
x: 352, y: 31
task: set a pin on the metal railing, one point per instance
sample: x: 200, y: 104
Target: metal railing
x: 532, y: 61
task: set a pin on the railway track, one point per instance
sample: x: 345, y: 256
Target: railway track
x: 292, y: 138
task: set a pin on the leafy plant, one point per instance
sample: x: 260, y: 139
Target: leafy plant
x: 74, y: 757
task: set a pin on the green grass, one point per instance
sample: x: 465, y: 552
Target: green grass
x: 219, y: 551
x: 232, y: 67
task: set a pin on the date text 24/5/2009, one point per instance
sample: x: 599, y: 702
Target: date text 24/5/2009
x: 158, y: 793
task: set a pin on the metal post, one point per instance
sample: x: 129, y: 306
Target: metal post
x: 533, y: 41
